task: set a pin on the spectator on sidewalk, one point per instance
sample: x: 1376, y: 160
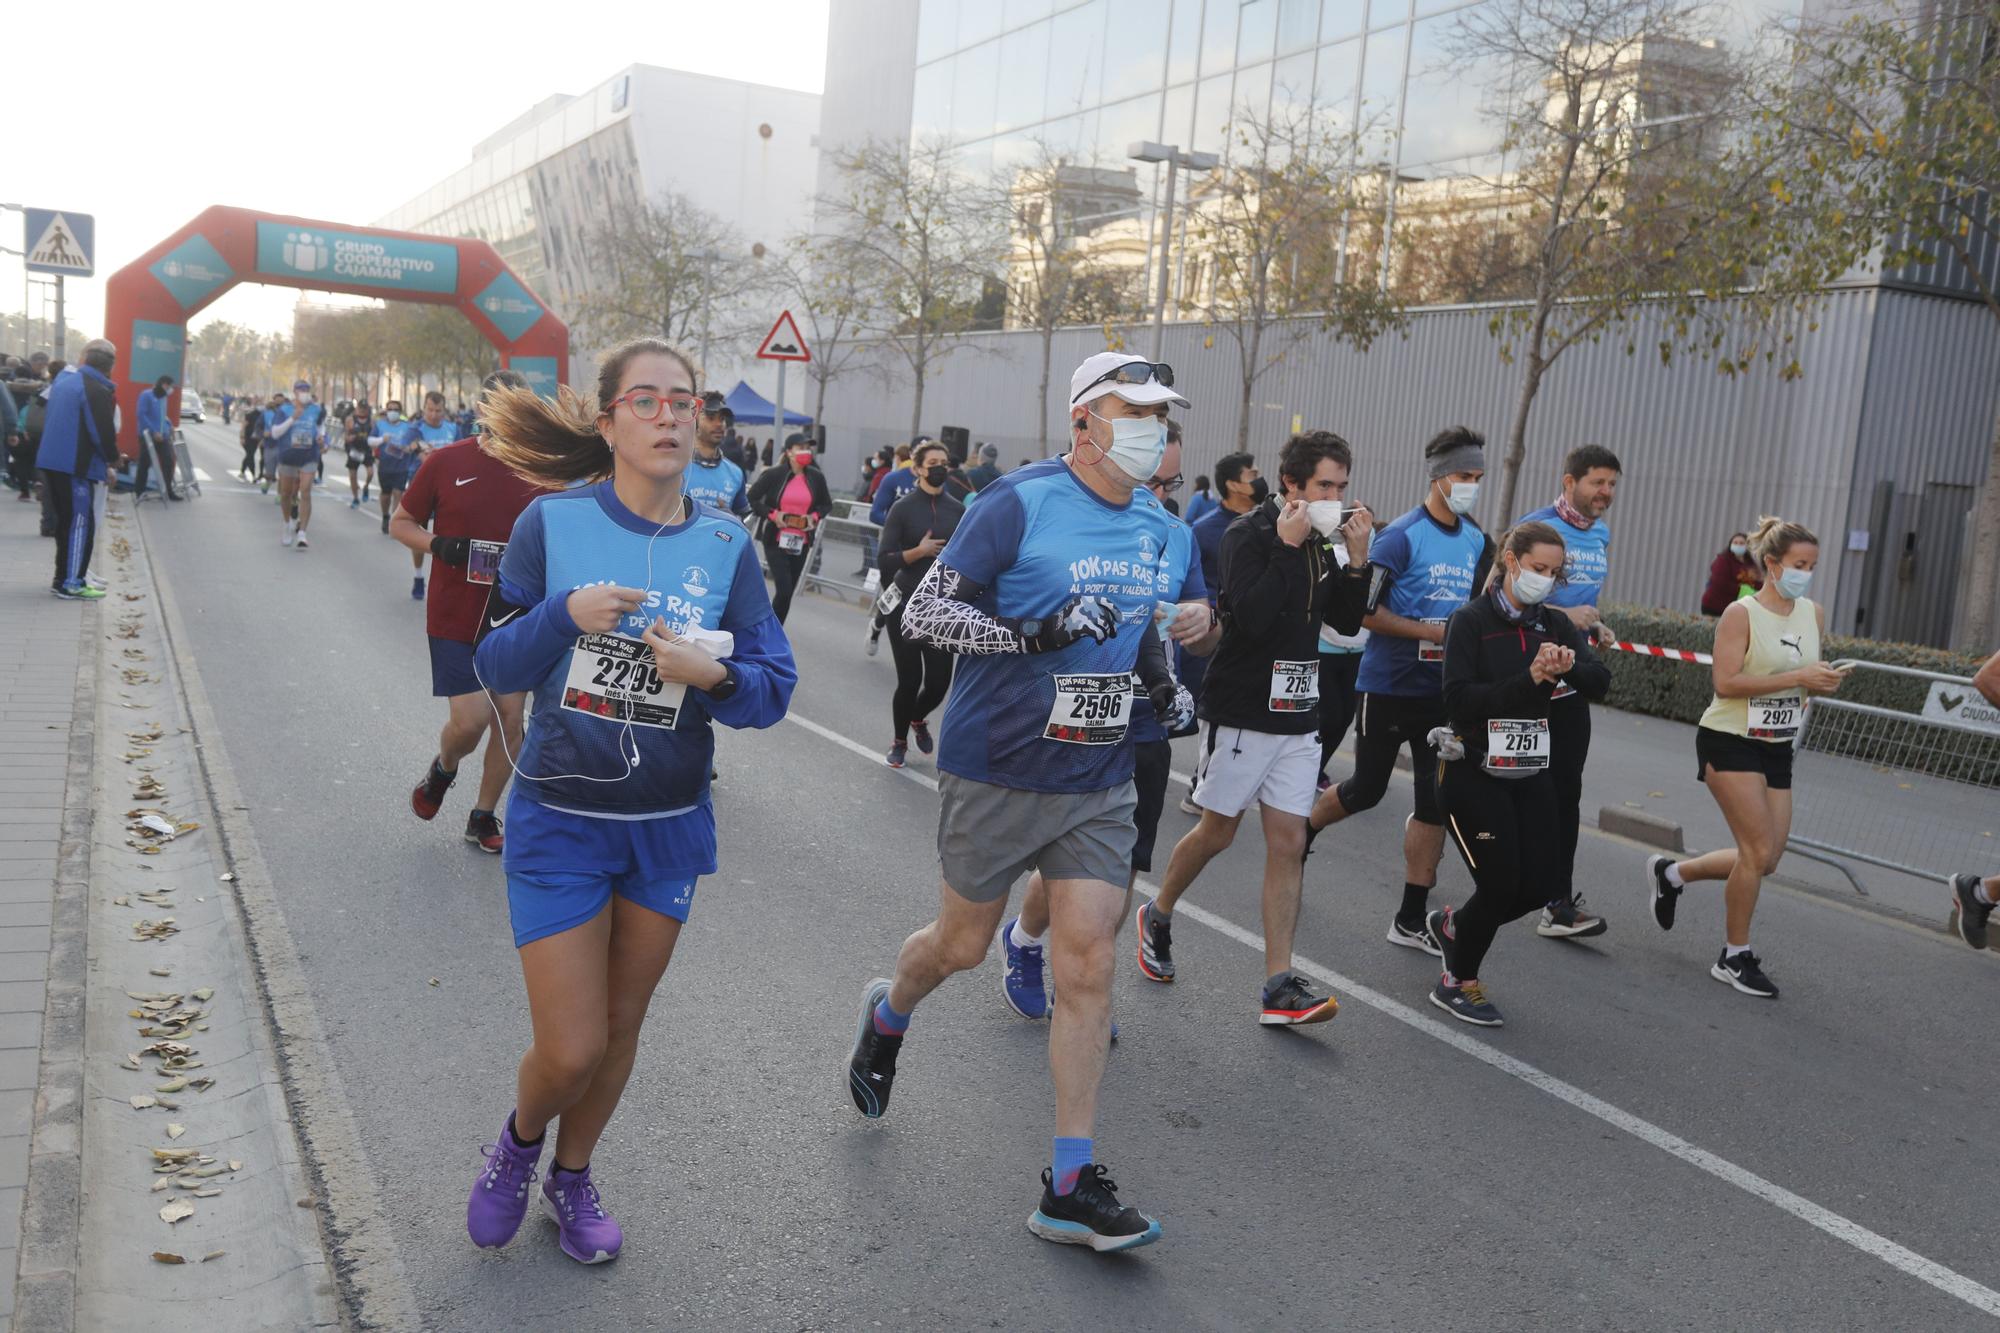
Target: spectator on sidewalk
x: 79, y: 446
x: 20, y: 468
x: 156, y: 438
x: 1732, y: 576
x: 900, y: 482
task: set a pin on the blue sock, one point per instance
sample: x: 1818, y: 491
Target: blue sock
x: 1072, y: 1155
x: 888, y: 1022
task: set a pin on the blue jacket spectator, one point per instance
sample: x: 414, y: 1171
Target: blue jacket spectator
x: 78, y: 435
x: 153, y: 412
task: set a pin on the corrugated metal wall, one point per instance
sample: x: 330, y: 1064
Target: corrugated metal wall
x: 1932, y: 396
x: 1703, y: 454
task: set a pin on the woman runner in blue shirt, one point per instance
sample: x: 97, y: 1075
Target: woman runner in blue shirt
x: 637, y: 615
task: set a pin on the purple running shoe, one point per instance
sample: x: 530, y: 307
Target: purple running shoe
x: 500, y: 1194
x: 587, y: 1233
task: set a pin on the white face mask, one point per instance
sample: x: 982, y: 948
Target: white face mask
x: 1530, y: 588
x: 1792, y: 583
x: 1326, y: 516
x: 1137, y: 445
x: 1461, y: 496
x: 1738, y: 549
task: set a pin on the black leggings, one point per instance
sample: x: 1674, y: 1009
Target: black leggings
x: 1569, y: 746
x: 785, y: 570
x: 1385, y: 723
x: 1506, y: 831
x: 923, y: 677
x: 75, y: 508
x: 249, y: 459
x: 1336, y: 701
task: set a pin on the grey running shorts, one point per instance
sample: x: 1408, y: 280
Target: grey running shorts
x: 989, y: 836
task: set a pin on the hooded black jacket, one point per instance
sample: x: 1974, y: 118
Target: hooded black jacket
x: 1273, y: 599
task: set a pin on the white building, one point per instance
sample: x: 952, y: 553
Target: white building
x: 538, y: 186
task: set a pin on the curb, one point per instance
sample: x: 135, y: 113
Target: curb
x: 52, y: 1204
x: 1641, y: 826
x: 374, y: 1290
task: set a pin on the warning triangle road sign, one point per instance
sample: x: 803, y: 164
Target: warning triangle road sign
x: 783, y: 342
x: 58, y: 245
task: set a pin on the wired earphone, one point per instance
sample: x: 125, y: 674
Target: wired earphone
x: 631, y: 757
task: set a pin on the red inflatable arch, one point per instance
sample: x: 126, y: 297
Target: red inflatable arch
x: 148, y: 303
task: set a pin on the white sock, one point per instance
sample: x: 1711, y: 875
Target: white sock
x: 1674, y: 875
x: 1021, y: 939
x: 1731, y: 950
x: 1984, y: 894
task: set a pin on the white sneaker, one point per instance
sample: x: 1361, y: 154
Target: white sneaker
x: 291, y: 533
x: 94, y: 581
x: 302, y: 542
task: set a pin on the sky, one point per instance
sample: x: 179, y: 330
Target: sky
x: 354, y: 110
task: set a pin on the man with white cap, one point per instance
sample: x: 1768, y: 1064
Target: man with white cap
x: 1046, y: 589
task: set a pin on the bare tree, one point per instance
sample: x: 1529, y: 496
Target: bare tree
x: 831, y: 301
x: 911, y: 226
x: 1064, y: 223
x: 668, y: 268
x: 1618, y: 113
x: 1263, y: 245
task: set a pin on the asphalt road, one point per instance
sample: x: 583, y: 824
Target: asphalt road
x: 1652, y: 1150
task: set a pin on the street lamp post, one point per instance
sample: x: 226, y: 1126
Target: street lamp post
x: 1147, y: 151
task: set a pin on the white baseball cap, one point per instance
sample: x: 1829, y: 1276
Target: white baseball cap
x: 1097, y: 376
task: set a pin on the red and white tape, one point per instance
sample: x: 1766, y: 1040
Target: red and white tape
x: 1671, y: 654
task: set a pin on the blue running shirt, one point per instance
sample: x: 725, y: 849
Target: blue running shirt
x: 1430, y: 569
x: 1588, y: 561
x: 718, y: 485
x: 1037, y: 538
x: 703, y: 572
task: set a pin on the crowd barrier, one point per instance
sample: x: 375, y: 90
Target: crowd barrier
x: 843, y: 557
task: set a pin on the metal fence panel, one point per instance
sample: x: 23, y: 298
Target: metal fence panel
x: 843, y: 558
x: 1889, y: 786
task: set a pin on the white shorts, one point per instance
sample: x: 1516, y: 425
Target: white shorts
x: 1241, y: 768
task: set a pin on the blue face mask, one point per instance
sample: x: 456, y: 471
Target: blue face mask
x: 1792, y: 583
x: 1138, y: 444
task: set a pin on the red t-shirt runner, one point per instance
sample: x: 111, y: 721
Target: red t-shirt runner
x: 461, y: 491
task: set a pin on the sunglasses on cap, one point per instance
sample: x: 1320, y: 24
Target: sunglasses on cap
x: 1132, y: 372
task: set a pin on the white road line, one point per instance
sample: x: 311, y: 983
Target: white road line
x: 1833, y: 1224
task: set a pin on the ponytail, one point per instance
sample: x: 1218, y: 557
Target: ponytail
x: 550, y: 443
x: 1775, y: 536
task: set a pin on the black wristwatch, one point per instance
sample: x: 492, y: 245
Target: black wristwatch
x: 725, y: 687
x: 1031, y: 629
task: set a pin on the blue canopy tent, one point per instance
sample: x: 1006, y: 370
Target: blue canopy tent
x: 753, y: 409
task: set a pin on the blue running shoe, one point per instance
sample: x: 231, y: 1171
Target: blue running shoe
x: 1022, y: 986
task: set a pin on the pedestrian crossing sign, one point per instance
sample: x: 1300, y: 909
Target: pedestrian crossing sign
x: 63, y: 243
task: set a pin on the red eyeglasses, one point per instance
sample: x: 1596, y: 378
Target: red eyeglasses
x: 646, y: 405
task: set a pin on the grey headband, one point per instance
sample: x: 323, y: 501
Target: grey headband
x: 1465, y: 458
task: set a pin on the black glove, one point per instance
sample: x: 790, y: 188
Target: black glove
x: 452, y: 550
x: 1080, y: 618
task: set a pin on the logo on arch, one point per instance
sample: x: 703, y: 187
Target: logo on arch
x: 191, y: 270
x: 305, y: 252
x: 509, y: 305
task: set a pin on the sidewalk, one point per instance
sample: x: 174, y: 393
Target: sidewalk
x: 48, y: 678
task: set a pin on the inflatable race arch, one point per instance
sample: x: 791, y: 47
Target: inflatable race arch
x: 148, y: 303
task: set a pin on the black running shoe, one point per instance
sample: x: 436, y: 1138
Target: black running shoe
x: 1467, y: 1003
x: 1091, y: 1215
x: 1665, y: 895
x: 1293, y: 1002
x: 871, y: 1069
x: 428, y: 796
x: 922, y: 731
x: 1565, y: 919
x: 1156, y: 944
x: 1745, y: 973
x: 1972, y: 913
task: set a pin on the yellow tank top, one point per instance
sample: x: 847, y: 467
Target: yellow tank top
x: 1777, y: 644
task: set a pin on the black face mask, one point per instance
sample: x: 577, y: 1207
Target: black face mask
x: 1260, y: 491
x: 936, y: 474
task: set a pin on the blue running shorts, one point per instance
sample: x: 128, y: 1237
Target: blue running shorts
x: 562, y: 868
